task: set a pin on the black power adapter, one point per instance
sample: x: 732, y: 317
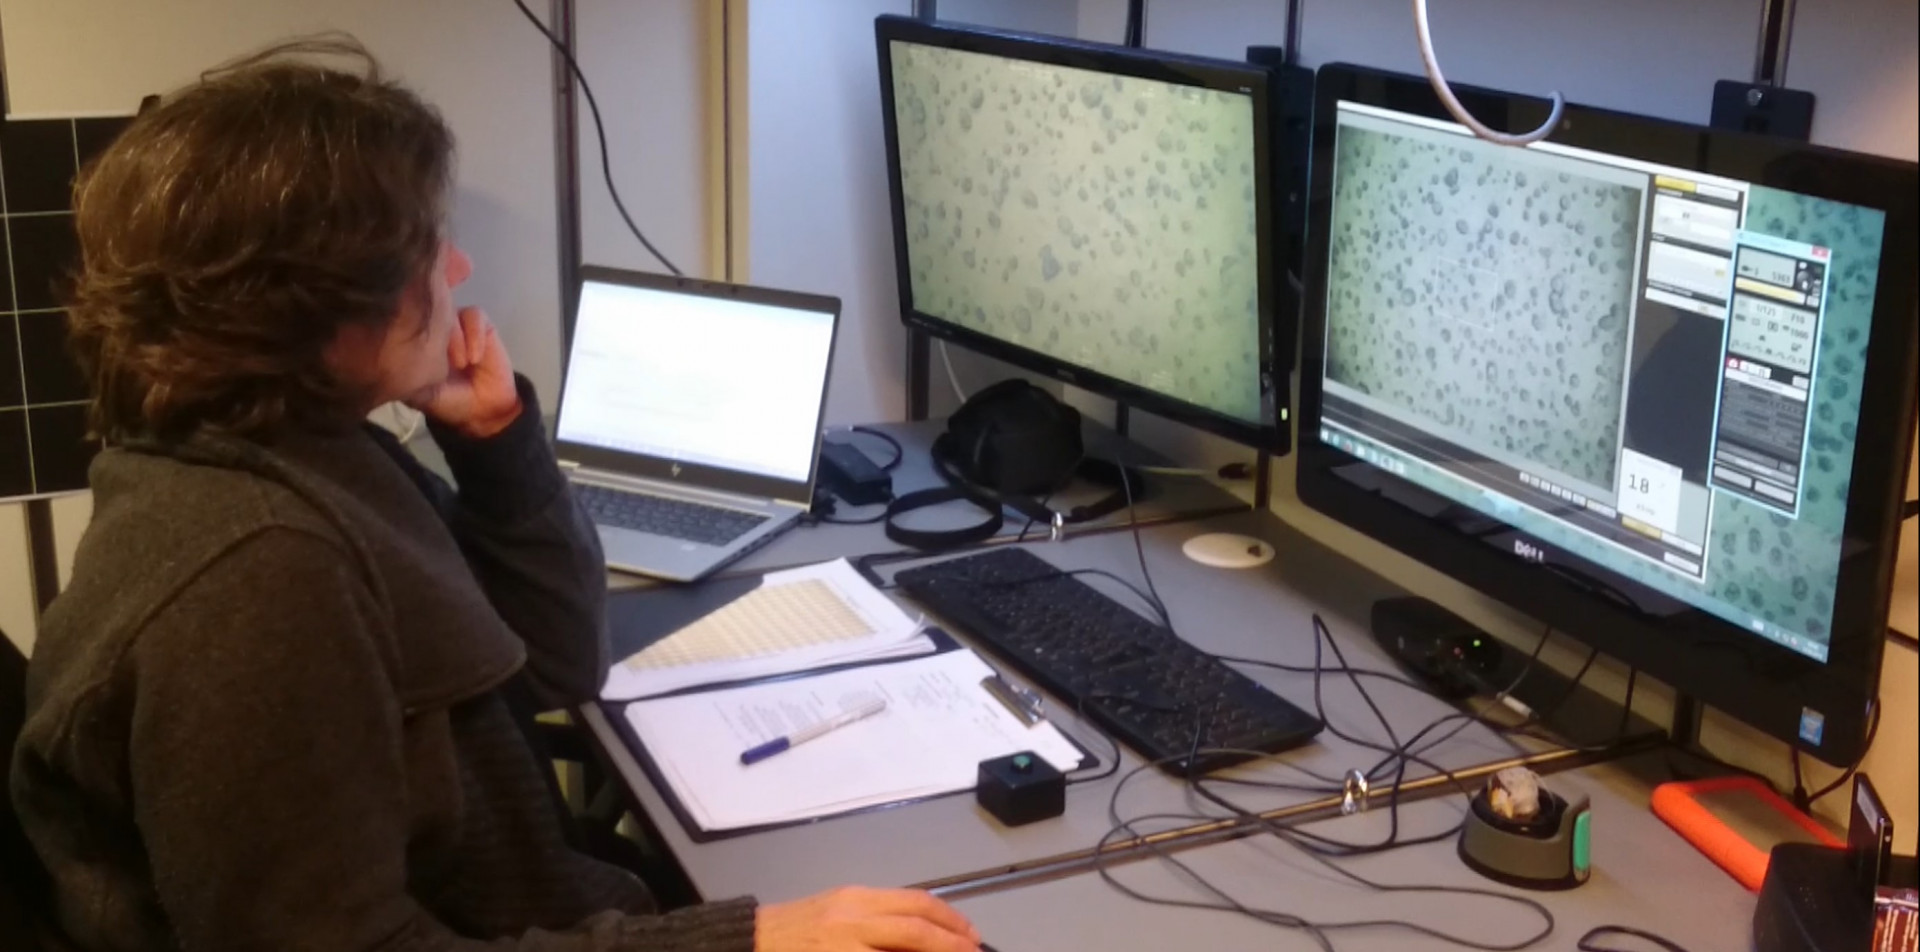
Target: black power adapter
x: 851, y: 477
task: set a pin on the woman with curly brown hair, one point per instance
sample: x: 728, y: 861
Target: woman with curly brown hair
x: 270, y: 712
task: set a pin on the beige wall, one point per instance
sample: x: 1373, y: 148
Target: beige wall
x: 488, y: 72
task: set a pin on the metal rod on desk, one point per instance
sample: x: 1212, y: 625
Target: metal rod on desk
x: 1412, y: 791
x: 43, y: 557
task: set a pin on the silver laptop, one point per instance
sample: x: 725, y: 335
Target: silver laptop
x: 689, y: 422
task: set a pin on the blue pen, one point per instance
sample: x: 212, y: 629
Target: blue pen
x: 804, y: 734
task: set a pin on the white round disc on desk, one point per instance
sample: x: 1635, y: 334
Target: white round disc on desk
x: 1227, y: 550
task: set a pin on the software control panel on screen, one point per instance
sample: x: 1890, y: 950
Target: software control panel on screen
x: 1655, y: 369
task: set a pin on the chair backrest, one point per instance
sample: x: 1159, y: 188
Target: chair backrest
x: 23, y: 886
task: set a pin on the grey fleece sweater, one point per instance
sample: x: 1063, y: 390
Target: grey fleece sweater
x: 267, y: 713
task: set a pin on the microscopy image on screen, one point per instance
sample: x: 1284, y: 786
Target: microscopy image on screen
x: 1484, y: 294
x: 1105, y: 221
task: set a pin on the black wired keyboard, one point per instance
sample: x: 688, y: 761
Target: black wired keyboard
x: 1135, y: 678
x: 692, y: 521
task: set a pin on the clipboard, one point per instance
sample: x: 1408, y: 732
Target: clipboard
x: 616, y: 715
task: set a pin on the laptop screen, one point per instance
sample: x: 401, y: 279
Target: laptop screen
x: 697, y: 379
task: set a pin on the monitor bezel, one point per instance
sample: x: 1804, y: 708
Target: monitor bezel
x: 1717, y: 662
x: 1272, y: 434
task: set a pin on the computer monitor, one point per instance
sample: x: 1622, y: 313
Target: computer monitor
x: 1092, y: 213
x: 1649, y: 382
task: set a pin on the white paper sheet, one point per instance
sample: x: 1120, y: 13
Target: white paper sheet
x: 939, y: 724
x: 811, y: 617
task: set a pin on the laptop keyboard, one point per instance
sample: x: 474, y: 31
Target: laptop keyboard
x: 710, y: 525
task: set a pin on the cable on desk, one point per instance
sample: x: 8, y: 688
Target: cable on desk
x: 1804, y: 800
x: 1320, y: 932
x: 1386, y: 676
x: 946, y: 360
x: 1113, y: 765
x: 1619, y: 731
x: 1140, y: 551
x: 1398, y: 755
x: 1321, y: 848
x: 1544, y: 714
x: 1589, y: 942
x: 899, y: 453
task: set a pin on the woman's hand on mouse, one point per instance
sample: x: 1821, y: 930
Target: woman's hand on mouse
x: 855, y: 919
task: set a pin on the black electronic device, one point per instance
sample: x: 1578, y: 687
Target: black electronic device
x: 1012, y: 446
x: 1869, y: 838
x: 1453, y: 657
x: 1098, y: 214
x: 1021, y: 788
x: 1808, y: 903
x: 851, y: 477
x: 1650, y: 383
x: 1134, y: 677
x: 1818, y: 898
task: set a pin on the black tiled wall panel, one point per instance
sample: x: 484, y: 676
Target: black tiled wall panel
x: 43, y: 398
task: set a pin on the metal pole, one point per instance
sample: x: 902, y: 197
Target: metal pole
x: 1295, y: 13
x: 919, y: 345
x: 566, y: 166
x: 1776, y: 37
x: 1136, y: 23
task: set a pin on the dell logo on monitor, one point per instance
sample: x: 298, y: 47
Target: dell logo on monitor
x: 1528, y: 551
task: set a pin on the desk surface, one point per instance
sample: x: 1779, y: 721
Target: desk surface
x: 1644, y: 877
x: 1644, y: 873
x: 1263, y: 613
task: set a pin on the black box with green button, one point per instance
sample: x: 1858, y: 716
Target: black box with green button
x: 1021, y: 788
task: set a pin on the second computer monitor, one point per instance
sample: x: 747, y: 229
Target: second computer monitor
x: 1092, y: 213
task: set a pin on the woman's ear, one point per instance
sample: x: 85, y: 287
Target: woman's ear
x: 352, y: 358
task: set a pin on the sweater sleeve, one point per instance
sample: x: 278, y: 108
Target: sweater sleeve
x: 267, y: 770
x: 534, y: 552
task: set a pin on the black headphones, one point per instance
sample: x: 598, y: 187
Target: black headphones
x: 1010, y: 446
